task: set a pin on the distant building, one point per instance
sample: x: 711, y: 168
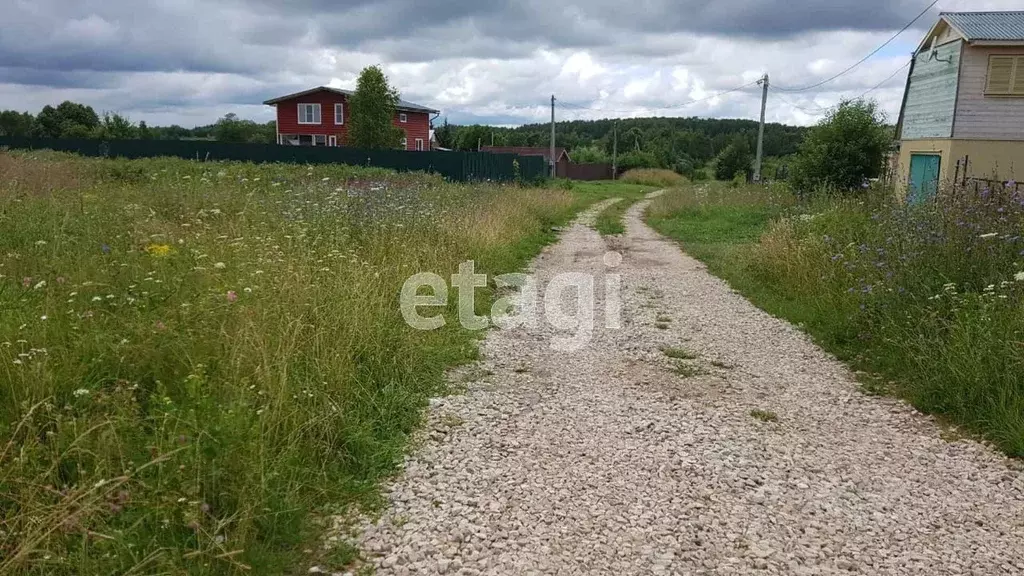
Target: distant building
x: 320, y: 117
x: 963, y: 110
x: 562, y: 159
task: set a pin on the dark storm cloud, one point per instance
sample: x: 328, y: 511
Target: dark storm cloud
x: 493, y: 59
x: 251, y: 36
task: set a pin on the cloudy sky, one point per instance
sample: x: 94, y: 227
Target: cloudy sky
x: 189, y: 62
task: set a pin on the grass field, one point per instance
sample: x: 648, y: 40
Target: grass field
x: 198, y: 360
x: 928, y: 300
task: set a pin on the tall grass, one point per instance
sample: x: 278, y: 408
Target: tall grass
x: 652, y: 177
x: 928, y: 298
x: 198, y: 358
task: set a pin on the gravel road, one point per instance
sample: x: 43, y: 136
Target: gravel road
x: 616, y: 459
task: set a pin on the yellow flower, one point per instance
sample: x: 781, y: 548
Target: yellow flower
x: 159, y: 250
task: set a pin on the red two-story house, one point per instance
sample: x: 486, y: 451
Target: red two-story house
x: 320, y: 117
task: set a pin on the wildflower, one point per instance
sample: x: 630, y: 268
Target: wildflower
x: 105, y: 248
x: 40, y: 242
x: 989, y: 235
x: 43, y: 317
x: 248, y: 290
x: 41, y: 284
x: 232, y: 296
x: 1019, y: 276
x: 26, y: 282
x: 81, y: 392
x: 220, y: 265
x: 159, y: 250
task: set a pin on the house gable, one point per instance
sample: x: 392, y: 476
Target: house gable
x: 931, y: 97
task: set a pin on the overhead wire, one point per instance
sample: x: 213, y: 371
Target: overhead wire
x: 820, y: 110
x: 862, y: 60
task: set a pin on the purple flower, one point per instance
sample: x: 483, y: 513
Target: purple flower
x: 105, y: 249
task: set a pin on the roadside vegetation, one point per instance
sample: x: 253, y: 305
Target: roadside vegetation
x: 198, y: 360
x: 656, y: 177
x: 927, y: 300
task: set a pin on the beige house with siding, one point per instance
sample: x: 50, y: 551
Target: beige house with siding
x: 963, y: 109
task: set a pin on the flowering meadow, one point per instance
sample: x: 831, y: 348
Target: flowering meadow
x: 197, y: 360
x: 927, y: 300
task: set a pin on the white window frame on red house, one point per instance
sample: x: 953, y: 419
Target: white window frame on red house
x: 405, y: 143
x: 315, y: 107
x: 403, y: 117
x: 419, y: 144
x: 339, y: 114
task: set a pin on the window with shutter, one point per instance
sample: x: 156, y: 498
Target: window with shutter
x: 1018, y: 77
x: 1005, y: 76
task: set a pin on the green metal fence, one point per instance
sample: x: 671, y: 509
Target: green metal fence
x: 460, y: 166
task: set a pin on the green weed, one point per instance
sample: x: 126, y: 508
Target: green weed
x: 928, y: 300
x: 195, y: 358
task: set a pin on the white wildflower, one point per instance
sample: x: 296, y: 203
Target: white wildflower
x: 43, y: 317
x: 81, y: 392
x: 40, y: 242
x: 220, y: 265
x: 41, y: 284
x: 1019, y: 276
x: 989, y: 235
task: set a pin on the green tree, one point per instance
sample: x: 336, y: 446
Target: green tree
x: 18, y: 124
x: 373, y: 111
x: 635, y: 159
x: 735, y: 159
x: 469, y: 137
x: 589, y: 155
x: 115, y: 127
x: 144, y: 132
x: 67, y: 120
x: 848, y: 146
x: 445, y: 135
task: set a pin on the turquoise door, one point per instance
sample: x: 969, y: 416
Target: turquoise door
x: 924, y: 176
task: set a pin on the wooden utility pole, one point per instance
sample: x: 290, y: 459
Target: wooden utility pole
x: 760, y: 131
x: 554, y: 172
x: 615, y: 150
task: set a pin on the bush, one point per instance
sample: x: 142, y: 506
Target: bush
x: 590, y: 155
x: 735, y: 159
x: 631, y: 160
x: 653, y: 177
x: 846, y: 149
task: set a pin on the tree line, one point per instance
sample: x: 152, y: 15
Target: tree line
x: 74, y: 120
x: 683, y: 144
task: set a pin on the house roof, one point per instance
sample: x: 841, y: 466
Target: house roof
x: 527, y: 151
x: 402, y: 104
x: 987, y: 26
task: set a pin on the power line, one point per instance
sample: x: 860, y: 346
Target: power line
x: 864, y: 59
x: 879, y: 85
x: 822, y: 109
